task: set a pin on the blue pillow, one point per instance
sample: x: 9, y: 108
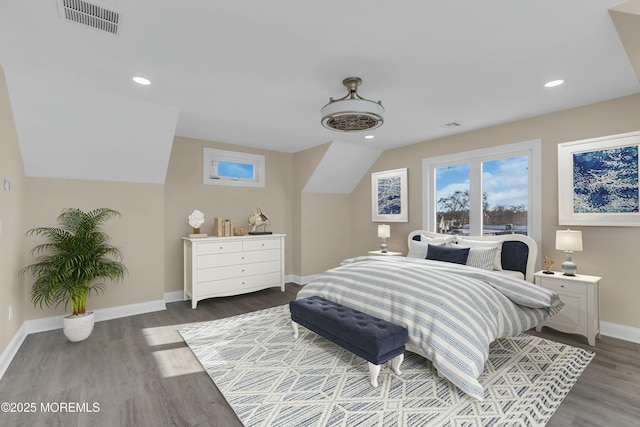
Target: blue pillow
x: 448, y: 254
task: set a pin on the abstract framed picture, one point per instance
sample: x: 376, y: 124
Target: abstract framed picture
x: 598, y: 181
x: 389, y: 196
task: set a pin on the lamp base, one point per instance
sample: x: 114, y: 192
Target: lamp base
x: 568, y: 266
x: 383, y: 247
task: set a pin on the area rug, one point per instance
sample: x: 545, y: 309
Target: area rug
x: 270, y: 379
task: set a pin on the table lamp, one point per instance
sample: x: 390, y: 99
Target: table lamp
x: 384, y: 232
x: 569, y: 241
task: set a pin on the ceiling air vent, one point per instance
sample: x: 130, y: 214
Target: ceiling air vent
x: 89, y: 14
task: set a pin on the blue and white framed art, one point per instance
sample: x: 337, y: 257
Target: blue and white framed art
x: 598, y: 181
x: 389, y: 196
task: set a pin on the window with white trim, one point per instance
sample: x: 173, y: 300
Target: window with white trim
x: 495, y: 190
x: 223, y: 167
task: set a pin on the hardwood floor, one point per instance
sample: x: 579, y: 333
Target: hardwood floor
x: 137, y: 371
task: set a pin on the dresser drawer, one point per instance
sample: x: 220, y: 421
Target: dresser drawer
x: 235, y: 258
x: 237, y: 285
x: 561, y: 286
x: 241, y: 270
x: 218, y: 247
x: 261, y: 244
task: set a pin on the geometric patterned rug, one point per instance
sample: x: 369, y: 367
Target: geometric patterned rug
x: 270, y: 379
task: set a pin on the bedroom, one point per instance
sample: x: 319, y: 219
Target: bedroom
x: 154, y: 214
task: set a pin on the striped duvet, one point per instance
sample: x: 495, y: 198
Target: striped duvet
x: 452, y: 312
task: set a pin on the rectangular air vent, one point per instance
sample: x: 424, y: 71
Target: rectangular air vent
x: 89, y: 14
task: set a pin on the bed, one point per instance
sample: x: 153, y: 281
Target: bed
x: 452, y: 309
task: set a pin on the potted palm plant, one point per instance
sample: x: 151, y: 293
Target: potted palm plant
x: 74, y: 261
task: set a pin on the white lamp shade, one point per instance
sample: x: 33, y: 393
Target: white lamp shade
x: 384, y: 231
x: 568, y: 240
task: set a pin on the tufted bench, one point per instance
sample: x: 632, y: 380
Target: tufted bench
x: 373, y: 339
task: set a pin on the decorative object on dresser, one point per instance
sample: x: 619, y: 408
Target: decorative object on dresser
x: 196, y: 219
x: 569, y: 241
x: 72, y: 262
x: 384, y: 232
x: 239, y: 231
x: 223, y: 266
x: 581, y: 311
x: 548, y: 263
x: 222, y: 227
x: 258, y: 219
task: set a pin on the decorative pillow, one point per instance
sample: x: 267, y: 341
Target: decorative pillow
x: 418, y: 248
x: 482, y: 258
x: 448, y: 254
x: 497, y: 264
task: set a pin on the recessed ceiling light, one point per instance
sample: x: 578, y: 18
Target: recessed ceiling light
x: 369, y: 137
x: 142, y: 81
x: 553, y: 83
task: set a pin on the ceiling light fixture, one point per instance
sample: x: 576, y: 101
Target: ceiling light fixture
x: 553, y: 83
x: 369, y: 137
x: 142, y: 81
x: 352, y: 113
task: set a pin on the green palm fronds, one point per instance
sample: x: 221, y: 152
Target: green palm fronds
x: 74, y: 260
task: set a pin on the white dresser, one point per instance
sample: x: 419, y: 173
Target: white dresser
x: 223, y: 266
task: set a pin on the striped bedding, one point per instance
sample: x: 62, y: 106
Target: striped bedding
x: 452, y: 312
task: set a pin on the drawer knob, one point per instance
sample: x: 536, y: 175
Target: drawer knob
x: 562, y: 286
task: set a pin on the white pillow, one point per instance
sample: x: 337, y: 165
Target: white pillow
x: 481, y: 257
x: 497, y: 263
x: 418, y: 249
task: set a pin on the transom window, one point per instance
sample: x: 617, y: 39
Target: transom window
x: 484, y: 192
x: 222, y: 167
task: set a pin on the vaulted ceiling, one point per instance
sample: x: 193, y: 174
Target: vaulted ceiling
x: 256, y: 73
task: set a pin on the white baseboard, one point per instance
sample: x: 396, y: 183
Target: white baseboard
x: 301, y: 280
x: 10, y: 351
x: 173, y: 296
x: 55, y: 322
x: 626, y: 333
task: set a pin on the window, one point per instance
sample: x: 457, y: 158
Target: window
x: 483, y: 192
x: 221, y: 167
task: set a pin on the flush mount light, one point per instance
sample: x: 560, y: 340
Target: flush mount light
x: 352, y: 113
x: 142, y: 81
x: 553, y: 83
x: 369, y: 137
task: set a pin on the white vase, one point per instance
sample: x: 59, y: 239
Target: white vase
x: 78, y: 328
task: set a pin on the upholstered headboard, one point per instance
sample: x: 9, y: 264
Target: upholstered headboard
x: 519, y: 252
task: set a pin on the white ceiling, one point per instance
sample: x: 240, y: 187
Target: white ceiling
x: 256, y: 73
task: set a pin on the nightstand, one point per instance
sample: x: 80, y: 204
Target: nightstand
x: 388, y: 253
x: 581, y: 312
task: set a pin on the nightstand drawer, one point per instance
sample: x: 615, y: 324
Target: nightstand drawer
x: 561, y: 286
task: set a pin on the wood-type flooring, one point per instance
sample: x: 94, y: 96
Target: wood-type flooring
x: 137, y: 371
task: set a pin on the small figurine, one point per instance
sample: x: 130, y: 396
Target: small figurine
x: 548, y: 263
x: 196, y: 219
x: 259, y: 219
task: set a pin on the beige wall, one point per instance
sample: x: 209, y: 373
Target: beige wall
x: 321, y: 229
x: 138, y: 232
x: 608, y: 251
x: 12, y: 291
x: 185, y: 191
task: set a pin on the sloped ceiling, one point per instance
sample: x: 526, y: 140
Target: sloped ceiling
x: 341, y: 169
x: 256, y: 73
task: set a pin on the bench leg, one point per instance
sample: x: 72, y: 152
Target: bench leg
x: 374, y: 370
x: 396, y: 362
x: 294, y: 325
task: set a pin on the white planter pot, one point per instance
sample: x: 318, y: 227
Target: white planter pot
x: 78, y: 328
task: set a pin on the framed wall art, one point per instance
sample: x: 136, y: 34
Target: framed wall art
x: 389, y: 196
x: 598, y: 181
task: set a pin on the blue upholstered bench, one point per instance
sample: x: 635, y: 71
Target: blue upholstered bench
x: 373, y: 339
